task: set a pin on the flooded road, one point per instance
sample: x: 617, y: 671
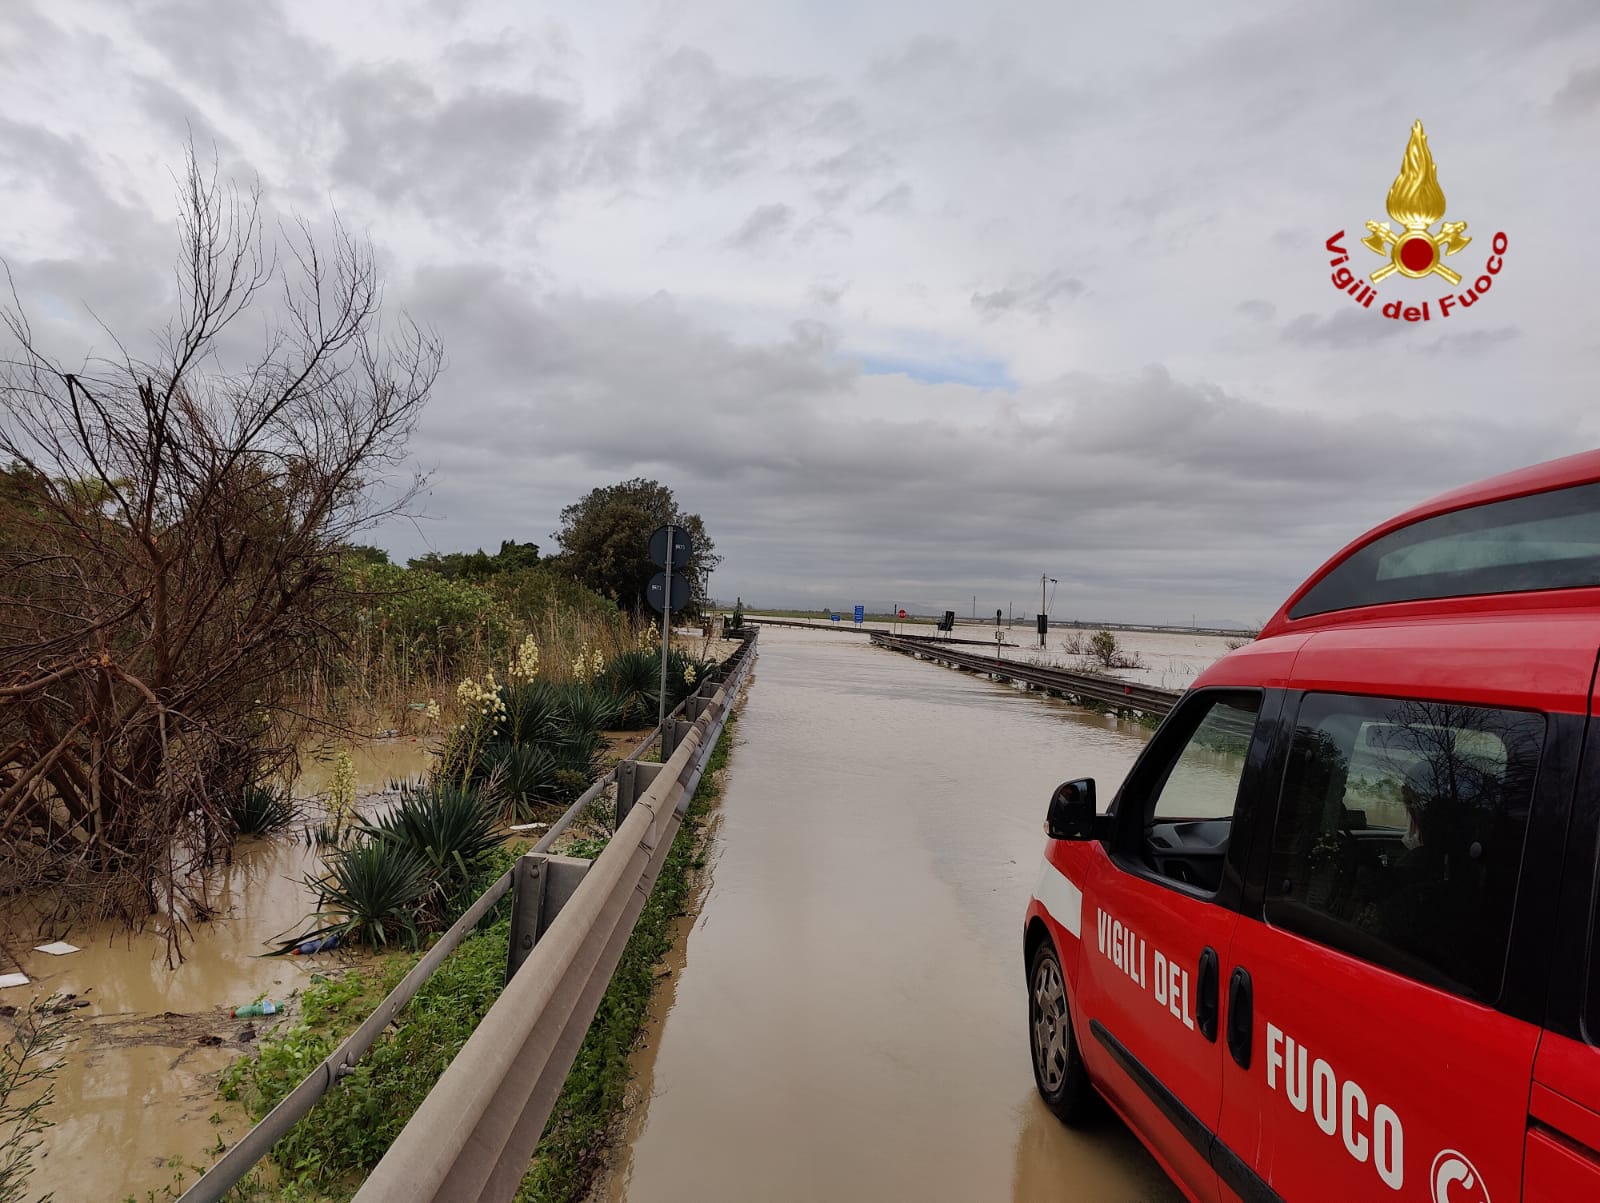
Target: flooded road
x: 849, y: 1021
x: 137, y: 1085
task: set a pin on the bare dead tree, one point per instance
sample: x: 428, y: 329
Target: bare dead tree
x: 169, y: 534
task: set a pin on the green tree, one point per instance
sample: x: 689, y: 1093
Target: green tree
x: 479, y: 565
x: 605, y: 541
x: 359, y: 553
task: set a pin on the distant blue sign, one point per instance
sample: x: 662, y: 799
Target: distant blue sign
x: 835, y: 618
x: 861, y: 614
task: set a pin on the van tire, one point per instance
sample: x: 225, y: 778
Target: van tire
x: 1058, y: 1069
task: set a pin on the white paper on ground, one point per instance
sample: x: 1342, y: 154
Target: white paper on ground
x: 58, y: 948
x: 13, y: 979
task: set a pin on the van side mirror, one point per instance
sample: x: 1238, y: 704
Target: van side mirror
x: 1072, y: 811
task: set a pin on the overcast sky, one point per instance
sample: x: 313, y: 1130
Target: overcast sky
x: 910, y: 301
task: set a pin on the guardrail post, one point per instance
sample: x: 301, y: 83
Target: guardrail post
x: 633, y: 778
x: 540, y: 884
x: 672, y: 735
x: 696, y: 706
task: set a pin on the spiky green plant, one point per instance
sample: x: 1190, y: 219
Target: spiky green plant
x: 634, y: 679
x: 590, y: 709
x: 259, y: 809
x: 527, y: 776
x: 372, y: 894
x: 451, y: 828
x: 535, y: 713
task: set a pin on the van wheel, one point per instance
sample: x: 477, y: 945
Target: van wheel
x: 1058, y: 1068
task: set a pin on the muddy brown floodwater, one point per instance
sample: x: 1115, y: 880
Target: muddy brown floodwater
x: 849, y: 1018
x: 137, y: 1087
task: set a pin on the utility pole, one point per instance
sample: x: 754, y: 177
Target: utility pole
x: 1043, y: 617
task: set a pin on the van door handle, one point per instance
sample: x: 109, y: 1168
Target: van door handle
x: 1240, y: 1019
x: 1205, y: 999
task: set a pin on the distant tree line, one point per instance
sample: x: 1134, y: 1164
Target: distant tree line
x: 604, y: 546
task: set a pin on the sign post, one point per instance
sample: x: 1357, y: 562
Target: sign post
x: 666, y: 638
x: 860, y: 615
x: 670, y: 547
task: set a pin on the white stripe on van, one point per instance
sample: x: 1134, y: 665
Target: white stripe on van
x: 1060, y: 897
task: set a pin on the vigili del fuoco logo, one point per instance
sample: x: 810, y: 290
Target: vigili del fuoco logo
x: 1416, y: 251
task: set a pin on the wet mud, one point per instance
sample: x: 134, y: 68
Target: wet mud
x: 848, y: 1016
x: 136, y: 1093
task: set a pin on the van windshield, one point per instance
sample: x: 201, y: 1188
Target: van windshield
x: 1543, y: 541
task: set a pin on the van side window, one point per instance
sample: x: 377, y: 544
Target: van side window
x: 1187, y: 796
x: 1399, y: 834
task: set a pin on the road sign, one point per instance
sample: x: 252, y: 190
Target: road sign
x: 682, y: 547
x: 861, y: 613
x: 835, y: 617
x: 656, y: 591
x: 902, y: 613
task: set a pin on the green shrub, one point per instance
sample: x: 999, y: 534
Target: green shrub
x: 634, y: 679
x: 450, y: 828
x: 526, y: 776
x: 590, y: 709
x: 536, y: 713
x: 373, y: 891
x: 261, y: 810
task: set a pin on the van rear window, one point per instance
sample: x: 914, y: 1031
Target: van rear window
x: 1542, y: 541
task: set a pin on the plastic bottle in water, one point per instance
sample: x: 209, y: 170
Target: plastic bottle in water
x: 265, y: 1007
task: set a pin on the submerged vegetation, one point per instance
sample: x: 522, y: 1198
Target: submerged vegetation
x: 261, y: 809
x: 327, y: 1154
x: 1100, y: 650
x: 527, y: 743
x: 27, y: 1089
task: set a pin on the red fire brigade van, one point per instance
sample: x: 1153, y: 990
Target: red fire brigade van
x: 1334, y: 938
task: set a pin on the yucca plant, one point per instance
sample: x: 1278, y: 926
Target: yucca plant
x: 535, y: 713
x: 634, y: 679
x: 451, y: 828
x: 259, y: 809
x: 373, y: 892
x: 590, y: 709
x: 577, y: 763
x: 684, y: 674
x: 527, y: 777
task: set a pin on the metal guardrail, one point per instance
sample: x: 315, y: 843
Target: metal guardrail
x: 818, y: 625
x: 689, y: 746
x: 1122, y: 695
x: 472, y: 1138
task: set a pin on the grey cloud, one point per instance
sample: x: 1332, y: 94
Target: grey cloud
x: 1470, y: 342
x: 819, y: 229
x: 977, y: 93
x: 764, y: 225
x: 693, y: 120
x: 68, y: 170
x: 1581, y: 92
x: 1344, y: 329
x: 894, y: 203
x: 827, y: 294
x: 474, y: 153
x: 1035, y: 295
x: 245, y: 51
x: 994, y: 148
x: 924, y: 56
x: 1140, y: 483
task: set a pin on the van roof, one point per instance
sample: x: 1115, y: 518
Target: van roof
x: 1570, y: 471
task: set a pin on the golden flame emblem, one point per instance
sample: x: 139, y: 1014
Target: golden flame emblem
x: 1416, y: 201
